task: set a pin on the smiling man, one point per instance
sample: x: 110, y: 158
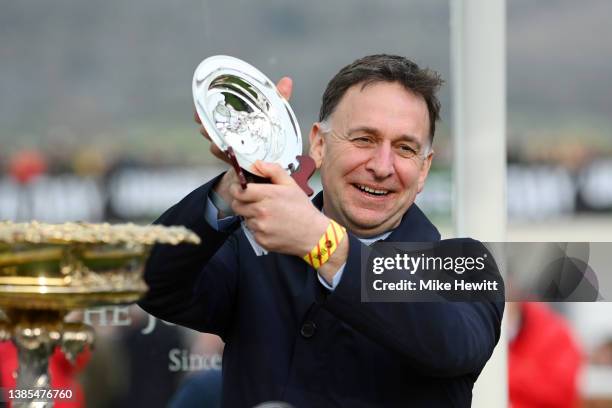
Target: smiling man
x: 293, y: 321
x: 374, y: 152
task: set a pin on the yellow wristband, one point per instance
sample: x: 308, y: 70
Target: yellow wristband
x: 327, y: 245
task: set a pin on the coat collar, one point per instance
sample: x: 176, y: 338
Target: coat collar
x: 414, y: 227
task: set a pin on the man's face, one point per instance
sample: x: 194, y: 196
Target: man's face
x: 373, y: 161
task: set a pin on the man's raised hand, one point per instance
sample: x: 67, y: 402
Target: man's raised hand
x: 279, y: 214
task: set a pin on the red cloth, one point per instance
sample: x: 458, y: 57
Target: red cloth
x: 544, y: 361
x: 63, y: 373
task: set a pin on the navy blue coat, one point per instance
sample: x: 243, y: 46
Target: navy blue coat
x: 289, y: 339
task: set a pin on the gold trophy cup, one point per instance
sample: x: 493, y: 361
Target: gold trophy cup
x: 48, y: 270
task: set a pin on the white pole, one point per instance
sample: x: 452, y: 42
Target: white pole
x: 478, y: 47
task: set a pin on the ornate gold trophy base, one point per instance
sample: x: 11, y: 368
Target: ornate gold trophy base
x: 36, y: 335
x: 47, y: 270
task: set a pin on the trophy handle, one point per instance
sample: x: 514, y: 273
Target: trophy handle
x: 232, y: 157
x: 303, y: 173
x: 301, y: 176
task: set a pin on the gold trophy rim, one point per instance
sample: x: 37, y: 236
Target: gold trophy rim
x: 75, y: 265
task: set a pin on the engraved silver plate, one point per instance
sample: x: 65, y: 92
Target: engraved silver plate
x: 240, y: 107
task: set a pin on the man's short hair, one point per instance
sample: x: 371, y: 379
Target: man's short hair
x: 385, y: 68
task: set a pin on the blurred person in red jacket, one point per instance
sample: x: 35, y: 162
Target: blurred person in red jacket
x: 63, y: 374
x: 544, y: 358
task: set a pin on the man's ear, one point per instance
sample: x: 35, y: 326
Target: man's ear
x: 426, y: 165
x: 317, y: 144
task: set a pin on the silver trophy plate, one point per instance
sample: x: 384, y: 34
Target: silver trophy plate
x: 241, y: 108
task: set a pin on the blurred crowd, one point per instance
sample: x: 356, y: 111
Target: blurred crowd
x: 96, y: 185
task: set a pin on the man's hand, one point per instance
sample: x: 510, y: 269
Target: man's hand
x: 280, y: 216
x: 285, y: 87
